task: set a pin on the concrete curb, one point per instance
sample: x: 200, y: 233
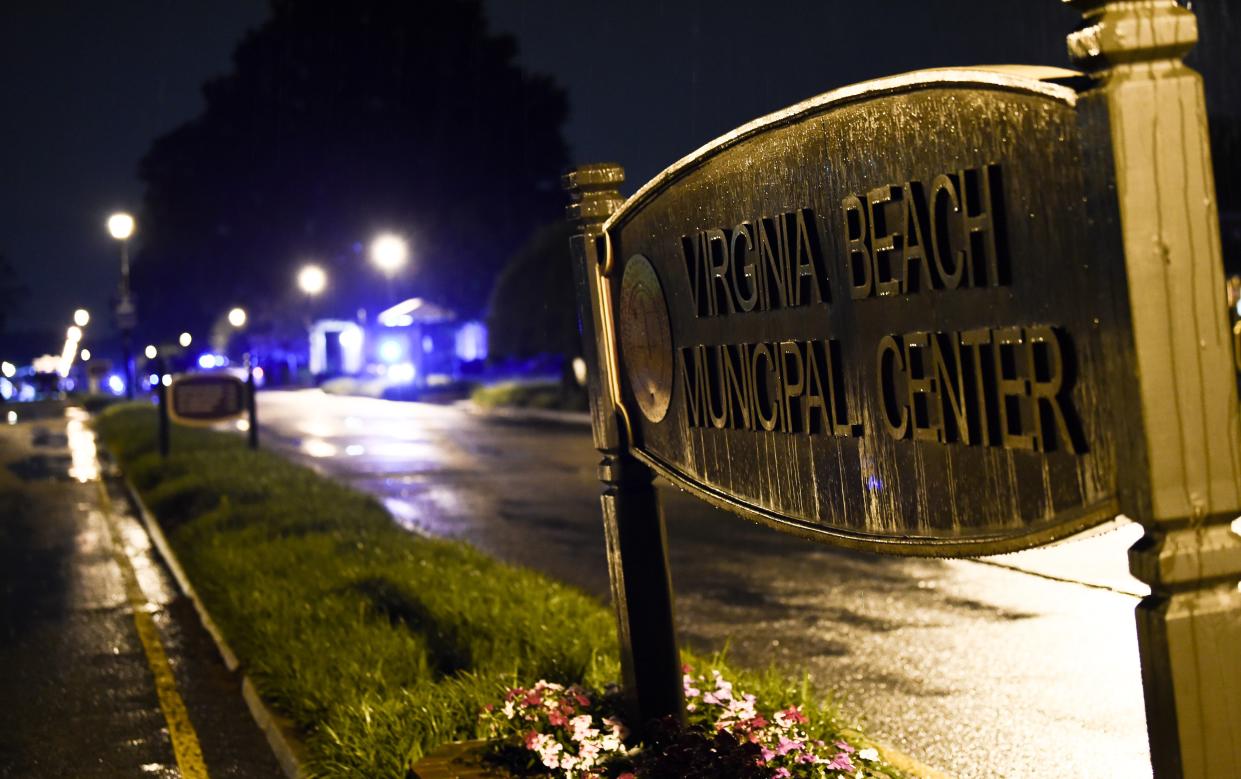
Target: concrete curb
x: 285, y: 745
x: 526, y: 415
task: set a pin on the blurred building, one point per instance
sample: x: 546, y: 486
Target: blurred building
x: 416, y: 344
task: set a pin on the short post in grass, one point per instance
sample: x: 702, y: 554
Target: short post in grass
x: 1189, y: 627
x: 633, y: 519
x: 161, y: 393
x: 252, y: 433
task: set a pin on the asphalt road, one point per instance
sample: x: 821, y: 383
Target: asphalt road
x: 1018, y: 666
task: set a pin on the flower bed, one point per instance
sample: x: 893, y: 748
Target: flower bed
x: 570, y: 733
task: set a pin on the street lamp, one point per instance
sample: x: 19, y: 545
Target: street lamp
x: 121, y: 227
x: 151, y: 352
x: 185, y: 340
x: 237, y: 317
x: 81, y: 317
x: 312, y: 279
x: 389, y: 252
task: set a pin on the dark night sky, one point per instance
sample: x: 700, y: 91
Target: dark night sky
x: 87, y: 85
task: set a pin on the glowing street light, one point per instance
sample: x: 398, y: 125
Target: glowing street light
x: 8, y: 369
x: 121, y: 226
x: 81, y: 317
x: 151, y: 352
x: 73, y: 334
x: 312, y: 279
x: 389, y: 253
x: 185, y: 340
x: 237, y: 317
x: 84, y: 355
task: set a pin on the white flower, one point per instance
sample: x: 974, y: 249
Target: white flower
x: 869, y: 753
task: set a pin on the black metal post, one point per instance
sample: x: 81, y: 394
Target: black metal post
x: 251, y: 404
x: 632, y: 517
x: 126, y: 321
x: 127, y: 354
x: 161, y: 392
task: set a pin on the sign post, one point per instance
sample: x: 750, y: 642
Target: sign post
x: 252, y: 431
x: 633, y: 520
x: 1189, y: 628
x: 161, y: 394
x: 951, y: 313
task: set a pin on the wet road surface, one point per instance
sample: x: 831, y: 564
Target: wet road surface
x: 77, y: 685
x: 1019, y: 666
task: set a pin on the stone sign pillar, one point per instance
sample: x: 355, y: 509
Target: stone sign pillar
x: 632, y: 517
x: 1189, y: 628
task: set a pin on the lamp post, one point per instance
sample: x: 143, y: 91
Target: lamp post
x: 121, y: 227
x: 311, y: 280
x: 237, y: 318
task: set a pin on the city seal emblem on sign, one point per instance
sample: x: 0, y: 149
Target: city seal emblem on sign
x: 646, y: 338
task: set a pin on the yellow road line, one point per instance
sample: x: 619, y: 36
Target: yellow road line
x: 185, y: 745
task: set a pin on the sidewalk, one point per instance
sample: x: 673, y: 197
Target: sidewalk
x: 109, y: 670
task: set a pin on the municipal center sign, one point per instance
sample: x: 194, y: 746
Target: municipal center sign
x: 882, y: 316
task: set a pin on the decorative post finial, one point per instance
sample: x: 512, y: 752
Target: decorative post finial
x: 1120, y: 32
x: 595, y: 191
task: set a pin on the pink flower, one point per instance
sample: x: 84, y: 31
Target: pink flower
x: 767, y: 754
x: 794, y: 715
x: 532, y: 739
x: 841, y: 762
x: 845, y: 747
x: 787, y: 745
x: 533, y: 699
x: 627, y: 775
x: 556, y: 719
x: 782, y: 773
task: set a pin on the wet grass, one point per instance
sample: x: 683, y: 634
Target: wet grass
x: 547, y: 395
x: 377, y: 644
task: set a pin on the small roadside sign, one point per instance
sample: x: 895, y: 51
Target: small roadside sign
x: 206, y: 398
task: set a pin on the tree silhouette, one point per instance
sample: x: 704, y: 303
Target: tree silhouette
x: 341, y: 120
x: 533, y: 307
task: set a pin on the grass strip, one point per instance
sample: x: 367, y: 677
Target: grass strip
x: 544, y: 395
x: 377, y: 644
